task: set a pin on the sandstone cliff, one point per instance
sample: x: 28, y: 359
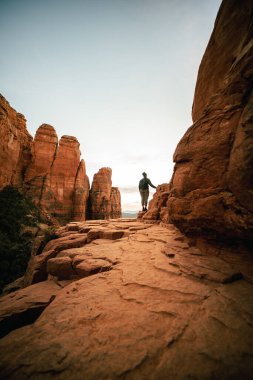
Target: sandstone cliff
x: 115, y: 200
x: 81, y: 193
x: 55, y: 178
x: 157, y: 208
x: 37, y: 174
x: 211, y: 190
x: 63, y: 176
x: 105, y: 200
x: 15, y: 145
x: 50, y: 171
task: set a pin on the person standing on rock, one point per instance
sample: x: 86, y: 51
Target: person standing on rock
x: 144, y: 190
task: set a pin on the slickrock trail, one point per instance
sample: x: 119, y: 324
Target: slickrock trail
x: 129, y: 300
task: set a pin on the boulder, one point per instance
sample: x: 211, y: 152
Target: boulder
x: 157, y: 203
x: 37, y: 266
x: 61, y: 267
x: 88, y: 266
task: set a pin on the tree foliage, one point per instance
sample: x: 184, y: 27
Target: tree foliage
x: 16, y: 211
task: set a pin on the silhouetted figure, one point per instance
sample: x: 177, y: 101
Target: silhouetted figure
x: 144, y: 190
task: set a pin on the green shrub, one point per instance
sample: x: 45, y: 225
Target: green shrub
x: 15, y: 211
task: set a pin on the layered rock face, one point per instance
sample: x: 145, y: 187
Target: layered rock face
x: 15, y: 145
x: 115, y: 200
x: 63, y: 177
x: 37, y: 176
x: 212, y: 184
x: 50, y: 171
x: 56, y: 179
x: 105, y: 200
x: 81, y: 193
x: 157, y: 208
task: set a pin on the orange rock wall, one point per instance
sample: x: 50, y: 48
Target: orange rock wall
x: 55, y: 178
x: 50, y: 171
x: 211, y: 190
x: 63, y: 176
x: 37, y: 176
x: 81, y: 193
x: 232, y: 33
x: 104, y: 199
x: 115, y: 199
x: 15, y: 145
x: 157, y: 208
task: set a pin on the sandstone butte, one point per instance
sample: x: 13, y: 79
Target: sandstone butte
x: 211, y: 190
x: 50, y: 171
x: 104, y: 199
x: 140, y: 299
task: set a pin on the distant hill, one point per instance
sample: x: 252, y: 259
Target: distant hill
x: 129, y: 214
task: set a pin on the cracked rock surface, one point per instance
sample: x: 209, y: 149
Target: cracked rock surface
x: 121, y: 299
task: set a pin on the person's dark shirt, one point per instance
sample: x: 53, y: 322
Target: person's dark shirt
x: 144, y: 183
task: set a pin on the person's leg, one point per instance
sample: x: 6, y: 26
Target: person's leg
x: 146, y: 194
x: 142, y: 199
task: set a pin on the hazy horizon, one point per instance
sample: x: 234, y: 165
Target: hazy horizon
x: 118, y: 75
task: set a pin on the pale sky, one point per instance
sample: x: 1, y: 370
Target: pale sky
x: 117, y: 74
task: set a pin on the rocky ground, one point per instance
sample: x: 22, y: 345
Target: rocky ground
x: 130, y: 300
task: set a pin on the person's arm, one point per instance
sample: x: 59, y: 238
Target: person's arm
x: 151, y: 184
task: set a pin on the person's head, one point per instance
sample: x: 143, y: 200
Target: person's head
x: 144, y: 174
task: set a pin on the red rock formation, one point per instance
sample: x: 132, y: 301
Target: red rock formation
x: 51, y: 172
x: 157, y: 208
x: 81, y: 193
x: 104, y: 199
x: 211, y: 188
x: 56, y: 179
x: 115, y: 200
x: 63, y: 175
x: 100, y: 194
x: 15, y: 145
x: 37, y: 177
x: 223, y: 57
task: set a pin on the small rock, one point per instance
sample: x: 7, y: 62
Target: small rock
x: 61, y: 267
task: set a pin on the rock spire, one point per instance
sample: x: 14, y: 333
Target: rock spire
x: 51, y: 171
